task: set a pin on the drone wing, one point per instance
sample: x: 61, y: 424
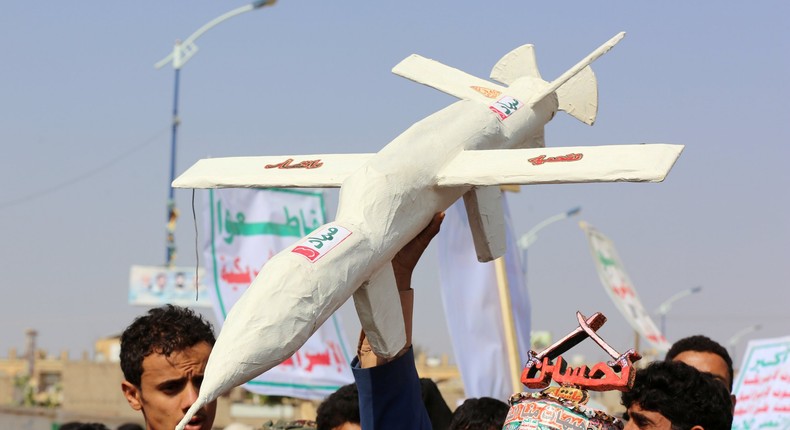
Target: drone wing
x: 561, y: 165
x: 297, y: 171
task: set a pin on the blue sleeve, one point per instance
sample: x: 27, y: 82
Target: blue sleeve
x: 390, y: 396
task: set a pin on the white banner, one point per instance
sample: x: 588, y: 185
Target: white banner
x: 763, y: 386
x: 622, y: 292
x: 245, y: 228
x: 471, y: 303
x: 157, y: 286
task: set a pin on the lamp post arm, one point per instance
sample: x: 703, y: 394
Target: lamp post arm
x: 183, y: 51
x: 667, y: 305
x: 214, y: 22
x: 733, y: 341
x: 532, y: 235
x: 743, y: 332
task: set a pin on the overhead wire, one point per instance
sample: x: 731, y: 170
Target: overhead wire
x: 68, y: 182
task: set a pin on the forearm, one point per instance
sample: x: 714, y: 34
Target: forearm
x: 402, y: 268
x: 366, y: 356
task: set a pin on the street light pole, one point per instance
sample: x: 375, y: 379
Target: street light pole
x: 532, y: 235
x: 172, y: 212
x: 665, y: 307
x: 183, y: 52
x: 733, y: 342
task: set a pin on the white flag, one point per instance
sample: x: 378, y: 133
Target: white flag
x: 617, y: 283
x: 245, y: 228
x: 471, y: 303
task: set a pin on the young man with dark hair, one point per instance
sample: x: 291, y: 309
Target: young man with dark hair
x: 670, y: 395
x: 483, y: 413
x: 705, y: 355
x: 163, y: 357
x: 339, y: 411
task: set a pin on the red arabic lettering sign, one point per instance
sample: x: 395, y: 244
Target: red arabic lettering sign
x: 289, y: 164
x: 618, y: 374
x: 542, y: 159
x: 309, y: 361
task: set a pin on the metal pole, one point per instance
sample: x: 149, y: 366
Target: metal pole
x: 174, y: 132
x: 511, y: 343
x: 172, y: 211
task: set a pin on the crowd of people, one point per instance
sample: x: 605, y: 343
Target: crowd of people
x: 164, y: 354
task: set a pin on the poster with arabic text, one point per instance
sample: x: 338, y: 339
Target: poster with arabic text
x: 245, y: 228
x: 762, y: 386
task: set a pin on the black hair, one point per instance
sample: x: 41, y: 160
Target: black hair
x: 483, y: 413
x: 163, y: 330
x: 700, y: 343
x: 339, y: 408
x: 75, y: 425
x: 438, y: 411
x: 682, y: 394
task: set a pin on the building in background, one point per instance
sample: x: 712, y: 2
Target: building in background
x: 39, y: 390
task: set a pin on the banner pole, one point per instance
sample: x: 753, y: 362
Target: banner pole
x: 637, y: 337
x: 508, y: 324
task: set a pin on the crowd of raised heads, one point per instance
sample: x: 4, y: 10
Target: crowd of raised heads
x: 163, y: 354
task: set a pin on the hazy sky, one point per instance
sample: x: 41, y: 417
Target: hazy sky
x: 84, y: 127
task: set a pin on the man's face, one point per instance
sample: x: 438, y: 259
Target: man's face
x: 640, y: 419
x: 169, y: 386
x: 706, y: 362
x: 348, y: 426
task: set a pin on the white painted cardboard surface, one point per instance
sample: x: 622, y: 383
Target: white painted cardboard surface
x: 383, y: 205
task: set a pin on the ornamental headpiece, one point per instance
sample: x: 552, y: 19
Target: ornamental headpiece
x: 563, y: 406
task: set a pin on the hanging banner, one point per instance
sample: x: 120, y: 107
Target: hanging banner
x: 471, y: 303
x: 622, y: 292
x: 245, y: 228
x: 157, y: 286
x: 763, y: 386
